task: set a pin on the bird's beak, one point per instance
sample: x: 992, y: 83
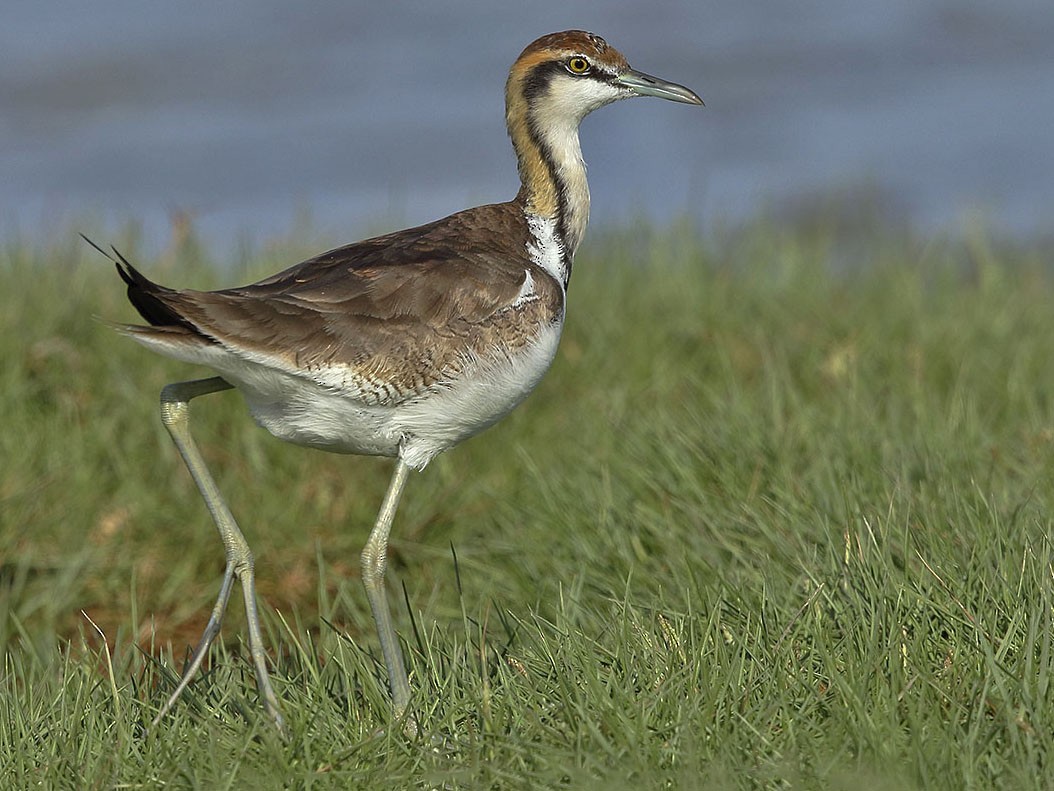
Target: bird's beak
x: 645, y: 85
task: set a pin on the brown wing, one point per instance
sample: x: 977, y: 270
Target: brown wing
x: 405, y: 308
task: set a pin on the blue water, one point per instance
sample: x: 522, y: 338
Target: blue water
x: 367, y: 115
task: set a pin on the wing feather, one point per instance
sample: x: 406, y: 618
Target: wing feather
x: 408, y: 308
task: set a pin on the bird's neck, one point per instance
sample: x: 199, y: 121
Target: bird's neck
x: 552, y: 174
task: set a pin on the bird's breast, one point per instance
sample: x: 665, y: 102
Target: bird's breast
x: 487, y: 389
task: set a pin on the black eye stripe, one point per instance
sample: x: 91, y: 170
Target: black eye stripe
x: 538, y: 78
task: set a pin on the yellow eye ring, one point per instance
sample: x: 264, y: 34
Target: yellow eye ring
x: 577, y: 65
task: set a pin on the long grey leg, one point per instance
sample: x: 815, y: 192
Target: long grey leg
x: 374, y: 562
x: 175, y: 414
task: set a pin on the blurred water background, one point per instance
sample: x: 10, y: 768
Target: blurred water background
x: 246, y: 114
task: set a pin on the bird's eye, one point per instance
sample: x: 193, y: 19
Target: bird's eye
x: 577, y: 65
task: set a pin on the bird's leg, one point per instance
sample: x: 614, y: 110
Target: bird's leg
x: 175, y: 414
x: 374, y: 561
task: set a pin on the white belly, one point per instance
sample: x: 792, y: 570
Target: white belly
x: 303, y: 412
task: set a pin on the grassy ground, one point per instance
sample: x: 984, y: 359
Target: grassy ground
x: 780, y: 516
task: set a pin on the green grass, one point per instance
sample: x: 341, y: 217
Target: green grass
x: 779, y: 517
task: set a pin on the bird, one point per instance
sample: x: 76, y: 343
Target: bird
x: 401, y: 345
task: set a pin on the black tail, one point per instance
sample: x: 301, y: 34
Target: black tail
x: 146, y: 296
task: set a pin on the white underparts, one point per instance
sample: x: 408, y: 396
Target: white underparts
x: 298, y: 408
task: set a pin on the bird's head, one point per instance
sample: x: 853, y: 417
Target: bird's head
x: 562, y: 77
x: 553, y: 85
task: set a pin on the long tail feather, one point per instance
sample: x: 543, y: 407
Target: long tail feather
x: 146, y: 296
